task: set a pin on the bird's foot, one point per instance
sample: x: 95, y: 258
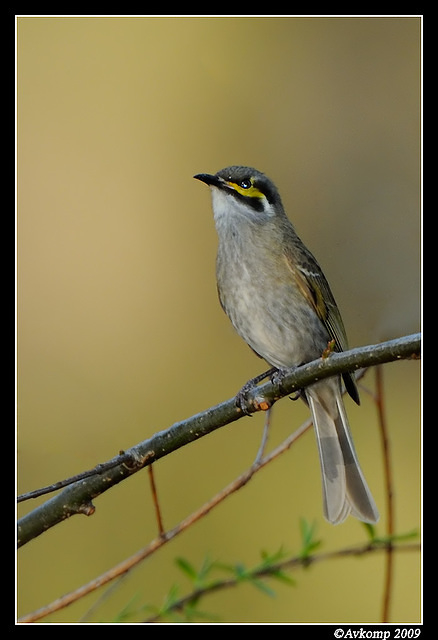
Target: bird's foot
x: 277, y: 378
x: 242, y: 395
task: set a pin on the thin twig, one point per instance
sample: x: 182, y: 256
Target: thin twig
x: 380, y: 403
x: 126, y: 459
x: 155, y: 500
x: 265, y: 434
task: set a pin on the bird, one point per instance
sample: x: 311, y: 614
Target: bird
x: 278, y: 300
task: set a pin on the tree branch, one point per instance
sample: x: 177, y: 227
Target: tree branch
x: 77, y: 498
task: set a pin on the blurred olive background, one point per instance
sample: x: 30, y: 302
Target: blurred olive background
x: 120, y: 333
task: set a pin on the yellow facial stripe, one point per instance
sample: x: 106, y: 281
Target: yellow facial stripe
x: 252, y: 192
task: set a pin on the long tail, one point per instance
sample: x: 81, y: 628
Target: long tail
x: 344, y: 487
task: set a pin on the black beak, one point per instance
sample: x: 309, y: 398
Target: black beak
x: 213, y: 181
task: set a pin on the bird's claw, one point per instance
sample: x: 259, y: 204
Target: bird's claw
x: 277, y: 378
x: 242, y: 396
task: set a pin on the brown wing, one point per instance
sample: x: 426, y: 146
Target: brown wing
x: 315, y: 288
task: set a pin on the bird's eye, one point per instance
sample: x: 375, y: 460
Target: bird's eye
x: 246, y: 184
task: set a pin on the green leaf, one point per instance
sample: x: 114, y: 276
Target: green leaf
x: 273, y: 558
x: 283, y: 577
x: 186, y: 568
x: 399, y: 537
x: 370, y: 529
x: 263, y: 587
x: 308, y: 541
x: 170, y: 598
x: 206, y: 568
x: 240, y: 571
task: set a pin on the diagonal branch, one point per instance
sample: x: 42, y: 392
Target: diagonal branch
x: 77, y: 498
